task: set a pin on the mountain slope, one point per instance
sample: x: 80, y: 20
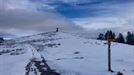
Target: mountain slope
x: 71, y: 55
x: 87, y: 57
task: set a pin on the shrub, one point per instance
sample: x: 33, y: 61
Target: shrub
x: 119, y: 73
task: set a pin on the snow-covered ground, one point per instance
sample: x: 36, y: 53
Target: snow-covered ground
x: 68, y: 55
x: 13, y: 59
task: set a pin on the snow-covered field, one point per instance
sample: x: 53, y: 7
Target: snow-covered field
x: 66, y: 54
x: 13, y: 59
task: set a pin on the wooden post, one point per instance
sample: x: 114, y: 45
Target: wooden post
x: 109, y: 55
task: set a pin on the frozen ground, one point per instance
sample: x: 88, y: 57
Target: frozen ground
x: 67, y: 54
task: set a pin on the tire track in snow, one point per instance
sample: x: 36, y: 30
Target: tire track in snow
x: 37, y: 64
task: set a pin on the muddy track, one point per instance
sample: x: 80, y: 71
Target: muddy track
x: 39, y: 67
x: 38, y: 64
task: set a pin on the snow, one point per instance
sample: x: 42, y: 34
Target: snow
x: 31, y: 50
x: 92, y: 57
x: 67, y: 54
x: 13, y: 64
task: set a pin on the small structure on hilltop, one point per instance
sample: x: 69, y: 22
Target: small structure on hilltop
x: 57, y: 29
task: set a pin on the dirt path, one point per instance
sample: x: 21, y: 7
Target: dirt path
x: 38, y: 66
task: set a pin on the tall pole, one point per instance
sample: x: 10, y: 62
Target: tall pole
x: 109, y: 56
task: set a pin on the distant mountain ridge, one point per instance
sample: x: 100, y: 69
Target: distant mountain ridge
x: 7, y: 35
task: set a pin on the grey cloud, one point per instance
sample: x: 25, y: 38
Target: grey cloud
x: 34, y: 21
x: 19, y: 20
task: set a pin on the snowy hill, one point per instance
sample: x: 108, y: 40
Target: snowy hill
x: 65, y: 54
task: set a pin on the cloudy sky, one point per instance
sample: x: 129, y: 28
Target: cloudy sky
x: 31, y: 16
